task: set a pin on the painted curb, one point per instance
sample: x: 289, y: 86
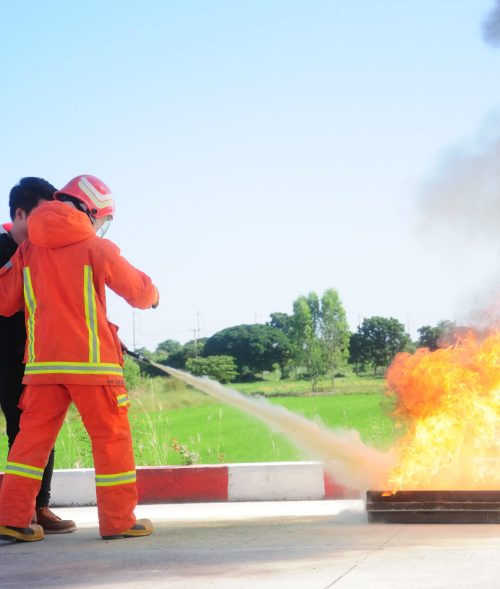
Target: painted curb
x: 278, y: 481
x: 266, y: 481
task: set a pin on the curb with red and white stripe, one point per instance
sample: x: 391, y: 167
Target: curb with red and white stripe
x: 268, y: 481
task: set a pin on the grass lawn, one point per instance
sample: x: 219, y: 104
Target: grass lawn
x: 172, y: 424
x: 272, y: 386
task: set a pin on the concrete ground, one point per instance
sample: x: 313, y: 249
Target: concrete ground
x: 278, y: 545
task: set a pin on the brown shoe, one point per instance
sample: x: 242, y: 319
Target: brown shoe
x: 142, y: 527
x: 52, y: 524
x: 32, y: 533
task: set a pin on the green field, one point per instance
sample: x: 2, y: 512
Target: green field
x: 272, y: 386
x: 173, y: 424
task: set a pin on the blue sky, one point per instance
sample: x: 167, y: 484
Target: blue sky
x: 258, y: 150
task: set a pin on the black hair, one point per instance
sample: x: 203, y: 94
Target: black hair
x: 27, y: 194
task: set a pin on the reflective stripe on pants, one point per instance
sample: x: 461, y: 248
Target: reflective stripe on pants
x: 44, y: 408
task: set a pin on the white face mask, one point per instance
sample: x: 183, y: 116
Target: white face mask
x: 100, y: 225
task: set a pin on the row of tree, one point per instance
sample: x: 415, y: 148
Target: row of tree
x: 313, y: 342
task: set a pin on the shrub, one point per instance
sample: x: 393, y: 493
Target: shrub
x: 221, y: 368
x: 131, y: 373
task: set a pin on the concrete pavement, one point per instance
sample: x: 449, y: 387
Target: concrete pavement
x: 279, y: 545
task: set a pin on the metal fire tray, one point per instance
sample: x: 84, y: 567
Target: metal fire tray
x: 434, y: 507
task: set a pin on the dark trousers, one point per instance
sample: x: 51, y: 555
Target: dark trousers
x: 10, y: 393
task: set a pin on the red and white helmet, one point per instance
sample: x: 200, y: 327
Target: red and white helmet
x: 92, y: 192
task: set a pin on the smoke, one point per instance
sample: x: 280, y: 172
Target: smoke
x: 462, y: 197
x: 491, y: 26
x: 350, y: 461
x: 459, y: 205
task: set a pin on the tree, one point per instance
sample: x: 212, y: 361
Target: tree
x: 255, y: 348
x: 434, y: 337
x: 194, y: 347
x: 379, y: 340
x: 306, y: 346
x: 221, y: 368
x: 313, y: 302
x: 165, y: 353
x: 334, y: 332
x: 281, y: 321
x: 357, y: 352
x: 320, y: 335
x: 191, y: 349
x: 168, y: 347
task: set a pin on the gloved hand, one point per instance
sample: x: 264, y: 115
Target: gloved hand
x: 157, y: 302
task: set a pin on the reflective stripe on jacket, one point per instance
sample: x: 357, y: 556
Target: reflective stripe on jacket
x: 60, y: 275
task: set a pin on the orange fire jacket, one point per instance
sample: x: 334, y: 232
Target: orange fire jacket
x: 59, y: 275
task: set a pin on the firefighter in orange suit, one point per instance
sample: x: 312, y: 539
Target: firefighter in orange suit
x: 72, y: 354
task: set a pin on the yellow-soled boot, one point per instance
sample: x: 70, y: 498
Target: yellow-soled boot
x: 142, y: 527
x: 32, y: 533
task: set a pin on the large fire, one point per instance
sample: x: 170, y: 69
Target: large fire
x: 450, y: 400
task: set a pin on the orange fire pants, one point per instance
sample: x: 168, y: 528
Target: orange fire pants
x: 104, y: 412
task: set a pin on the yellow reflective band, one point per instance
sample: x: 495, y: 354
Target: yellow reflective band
x: 73, y: 368
x: 111, y: 480
x: 91, y: 314
x: 30, y: 301
x: 24, y: 470
x: 122, y: 400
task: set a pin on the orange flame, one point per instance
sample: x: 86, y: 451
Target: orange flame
x: 450, y: 400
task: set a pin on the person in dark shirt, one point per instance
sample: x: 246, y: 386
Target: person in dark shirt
x: 24, y: 197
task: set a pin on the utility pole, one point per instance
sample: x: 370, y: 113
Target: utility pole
x: 196, y: 334
x: 198, y: 323
x: 195, y: 343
